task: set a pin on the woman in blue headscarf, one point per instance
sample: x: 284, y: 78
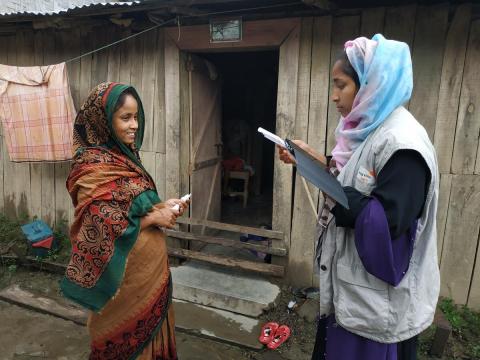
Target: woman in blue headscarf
x: 379, y: 278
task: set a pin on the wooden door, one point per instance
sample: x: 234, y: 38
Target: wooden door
x: 206, y: 139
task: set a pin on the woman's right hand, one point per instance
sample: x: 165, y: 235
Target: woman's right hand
x: 160, y: 217
x: 288, y: 158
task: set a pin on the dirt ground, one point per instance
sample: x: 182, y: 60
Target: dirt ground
x: 30, y: 335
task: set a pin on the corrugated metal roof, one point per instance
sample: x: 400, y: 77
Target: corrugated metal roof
x: 53, y: 7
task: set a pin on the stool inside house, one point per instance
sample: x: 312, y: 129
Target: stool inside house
x: 241, y: 175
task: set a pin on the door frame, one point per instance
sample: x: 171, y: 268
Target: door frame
x: 282, y: 34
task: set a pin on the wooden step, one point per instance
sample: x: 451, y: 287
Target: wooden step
x: 227, y: 242
x: 270, y: 234
x: 258, y: 267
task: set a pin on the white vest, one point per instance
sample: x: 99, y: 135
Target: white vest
x: 364, y: 304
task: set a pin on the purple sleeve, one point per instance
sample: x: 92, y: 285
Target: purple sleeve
x: 383, y: 257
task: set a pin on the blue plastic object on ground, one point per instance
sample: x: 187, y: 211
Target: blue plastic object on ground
x: 38, y: 231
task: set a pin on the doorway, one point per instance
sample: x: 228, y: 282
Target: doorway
x: 248, y: 100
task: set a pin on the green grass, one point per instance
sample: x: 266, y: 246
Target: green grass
x: 465, y: 340
x: 12, y: 237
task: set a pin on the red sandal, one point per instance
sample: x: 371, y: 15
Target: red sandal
x: 281, y: 335
x: 268, y: 331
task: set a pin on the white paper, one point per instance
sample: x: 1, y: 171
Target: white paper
x: 272, y: 137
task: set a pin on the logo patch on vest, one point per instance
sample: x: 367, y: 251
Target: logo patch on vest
x: 365, y: 180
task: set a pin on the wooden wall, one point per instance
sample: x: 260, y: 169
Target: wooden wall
x: 39, y: 189
x: 445, y: 45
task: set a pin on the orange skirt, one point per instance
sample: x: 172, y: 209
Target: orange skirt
x: 138, y: 322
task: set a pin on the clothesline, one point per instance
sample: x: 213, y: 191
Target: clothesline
x: 178, y: 22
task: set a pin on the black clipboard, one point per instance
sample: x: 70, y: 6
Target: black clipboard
x: 317, y: 173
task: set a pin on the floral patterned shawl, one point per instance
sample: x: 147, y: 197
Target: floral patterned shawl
x: 111, y: 191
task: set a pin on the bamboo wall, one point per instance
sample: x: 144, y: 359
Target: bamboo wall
x: 446, y: 57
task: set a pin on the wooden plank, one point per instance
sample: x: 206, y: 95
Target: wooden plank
x: 74, y: 67
x: 17, y: 296
x: 450, y: 85
x: 343, y: 28
x: 256, y: 34
x: 148, y: 85
x: 85, y: 66
x: 443, y: 329
x: 285, y: 127
x: 148, y: 161
x: 319, y: 94
x: 160, y: 174
x: 99, y: 58
x: 466, y: 143
x: 301, y: 252
x: 427, y: 57
x: 206, y: 163
x: 442, y: 210
x: 48, y: 169
x: 185, y: 127
x: 227, y: 242
x: 266, y: 269
x: 63, y: 203
x: 400, y: 23
x: 136, y: 46
x: 159, y: 108
x: 172, y: 111
x: 3, y: 153
x: 113, y: 71
x: 373, y: 20
x: 461, y: 237
x: 232, y: 227
x: 474, y: 294
x: 127, y: 58
x: 34, y: 263
x: 16, y: 175
x: 319, y: 85
x: 30, y: 53
x: 36, y: 168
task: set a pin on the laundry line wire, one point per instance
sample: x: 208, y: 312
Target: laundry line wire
x: 178, y: 22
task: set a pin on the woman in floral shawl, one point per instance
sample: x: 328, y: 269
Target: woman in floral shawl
x: 119, y: 262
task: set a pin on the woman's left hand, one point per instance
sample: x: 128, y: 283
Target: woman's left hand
x: 183, y: 205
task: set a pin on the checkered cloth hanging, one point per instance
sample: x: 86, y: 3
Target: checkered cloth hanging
x: 37, y: 112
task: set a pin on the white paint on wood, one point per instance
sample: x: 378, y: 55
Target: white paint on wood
x: 468, y: 124
x: 450, y: 86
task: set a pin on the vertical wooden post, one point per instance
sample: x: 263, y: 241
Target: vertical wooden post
x: 286, y: 109
x: 172, y: 111
x: 450, y: 85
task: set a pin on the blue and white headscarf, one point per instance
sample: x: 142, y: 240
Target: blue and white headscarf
x: 384, y: 69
